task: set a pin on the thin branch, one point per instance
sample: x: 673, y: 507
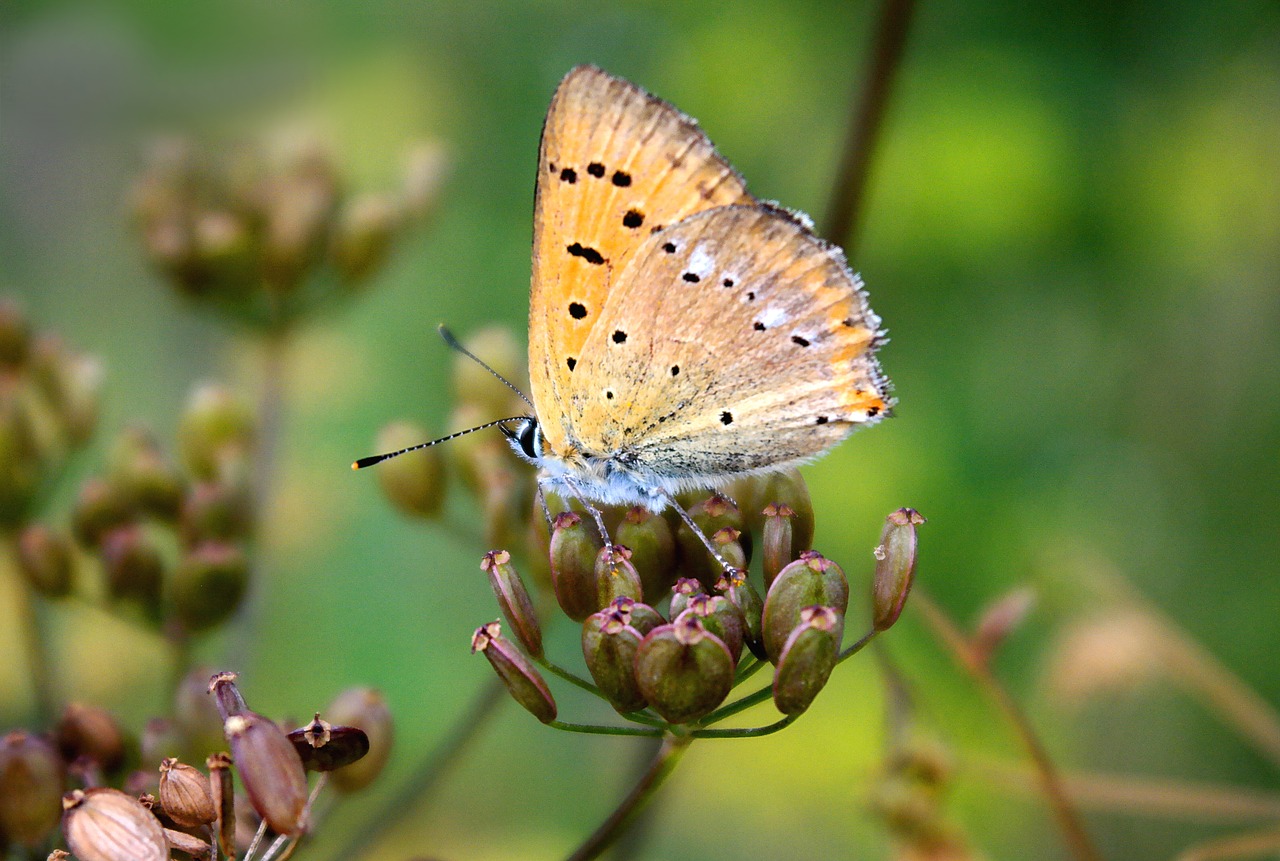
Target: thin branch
x: 865, y: 118
x: 747, y: 732
x: 949, y: 633
x: 1255, y: 845
x: 596, y: 729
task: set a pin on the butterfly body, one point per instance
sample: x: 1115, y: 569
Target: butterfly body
x: 681, y: 333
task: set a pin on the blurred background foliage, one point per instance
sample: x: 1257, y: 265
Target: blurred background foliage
x: 1072, y: 233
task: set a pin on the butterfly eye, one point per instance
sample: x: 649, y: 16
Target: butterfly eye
x: 526, y: 438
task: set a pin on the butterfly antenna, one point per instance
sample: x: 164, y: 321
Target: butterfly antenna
x: 379, y: 458
x: 455, y: 344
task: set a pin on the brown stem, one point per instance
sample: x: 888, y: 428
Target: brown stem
x: 673, y: 748
x: 1254, y: 845
x: 406, y: 800
x: 949, y: 633
x: 865, y: 118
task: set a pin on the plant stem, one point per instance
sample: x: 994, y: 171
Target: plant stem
x: 596, y: 729
x: 403, y: 803
x: 36, y: 636
x: 949, y: 633
x: 668, y: 756
x: 857, y: 647
x: 865, y: 118
x: 572, y: 678
x: 1252, y: 845
x: 748, y: 732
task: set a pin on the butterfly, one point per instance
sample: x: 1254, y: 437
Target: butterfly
x: 682, y: 333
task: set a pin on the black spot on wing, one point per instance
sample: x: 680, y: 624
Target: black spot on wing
x: 587, y: 253
x: 728, y: 282
x: 619, y: 337
x: 621, y: 178
x: 675, y: 370
x: 691, y: 277
x: 726, y: 418
x: 669, y: 247
x: 799, y: 341
x: 633, y: 219
x: 758, y: 326
x: 569, y: 175
x: 596, y: 169
x: 571, y: 362
x: 577, y: 310
x: 822, y: 420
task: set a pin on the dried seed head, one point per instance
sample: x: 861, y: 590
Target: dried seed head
x: 513, y: 600
x: 216, y: 432
x: 367, y: 709
x: 185, y: 794
x: 609, y: 645
x: 324, y: 747
x: 811, y: 579
x: 90, y: 731
x: 222, y: 791
x: 226, y: 695
x: 520, y: 677
x: 32, y: 778
x: 807, y: 659
x: 45, y: 560
x: 209, y: 583
x: 683, y: 671
x: 270, y: 770
x: 616, y: 577
x: 188, y: 844
x: 574, y: 547
x: 107, y: 825
x: 895, y: 566
x: 414, y: 483
x: 653, y: 549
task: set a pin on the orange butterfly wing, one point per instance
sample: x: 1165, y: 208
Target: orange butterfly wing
x: 615, y: 164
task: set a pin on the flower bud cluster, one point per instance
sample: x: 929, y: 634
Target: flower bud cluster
x: 268, y: 231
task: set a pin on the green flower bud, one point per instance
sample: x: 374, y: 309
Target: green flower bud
x: 807, y: 659
x: 185, y: 794
x: 513, y: 600
x: 711, y: 515
x: 216, y: 510
x: 100, y: 508
x: 609, y: 644
x: 21, y: 463
x: 144, y: 476
x: 270, y: 770
x: 811, y: 579
x: 414, y: 483
x: 653, y: 549
x: 32, y: 777
x: 324, y: 747
x: 574, y: 547
x: 778, y: 540
x: 367, y: 709
x: 895, y: 566
x: 107, y: 825
x: 640, y: 616
x: 209, y: 583
x: 616, y: 577
x: 216, y: 433
x: 133, y: 565
x: 721, y: 618
x: 684, y: 589
x: 683, y: 670
x: 90, y: 731
x: 738, y: 589
x: 522, y: 680
x: 728, y: 542
x: 361, y: 242
x: 45, y: 560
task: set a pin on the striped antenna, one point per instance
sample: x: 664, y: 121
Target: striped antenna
x: 379, y: 458
x: 455, y: 344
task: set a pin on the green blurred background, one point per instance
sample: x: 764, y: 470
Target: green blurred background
x: 1072, y: 233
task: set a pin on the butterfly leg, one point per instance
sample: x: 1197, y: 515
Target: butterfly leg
x: 595, y: 514
x: 688, y: 521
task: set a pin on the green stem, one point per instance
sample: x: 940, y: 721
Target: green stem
x: 749, y: 732
x: 733, y: 708
x: 673, y: 748
x: 595, y: 729
x: 747, y: 671
x: 572, y: 678
x: 646, y: 719
x: 35, y: 633
x: 857, y: 647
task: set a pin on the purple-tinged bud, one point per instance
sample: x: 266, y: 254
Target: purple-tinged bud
x: 270, y: 770
x: 683, y: 670
x: 414, y: 483
x: 513, y: 600
x: 133, y: 565
x: 32, y: 778
x: 107, y: 825
x: 216, y: 432
x: 728, y: 542
x: 90, y: 731
x: 216, y: 510
x: 45, y: 559
x: 616, y: 577
x: 209, y: 583
x: 185, y: 794
x: 188, y: 844
x: 711, y: 515
x: 653, y: 549
x: 640, y: 616
x: 323, y: 746
x: 522, y: 680
x: 146, y: 478
x: 574, y: 547
x: 197, y: 717
x: 721, y: 618
x: 811, y: 579
x: 361, y: 240
x: 895, y: 566
x: 222, y: 791
x: 367, y: 709
x: 100, y: 508
x: 684, y: 589
x: 998, y: 621
x: 778, y: 540
x: 609, y: 644
x: 743, y: 595
x: 807, y: 659
x: 227, y: 696
x: 15, y: 336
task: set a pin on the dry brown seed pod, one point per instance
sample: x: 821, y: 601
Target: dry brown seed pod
x: 324, y: 747
x: 513, y: 600
x: 106, y: 825
x: 223, y: 795
x: 91, y: 731
x: 270, y: 770
x: 524, y: 683
x: 185, y: 794
x: 32, y: 777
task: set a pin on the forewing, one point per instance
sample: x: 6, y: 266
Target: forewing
x: 734, y: 341
x: 615, y: 163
